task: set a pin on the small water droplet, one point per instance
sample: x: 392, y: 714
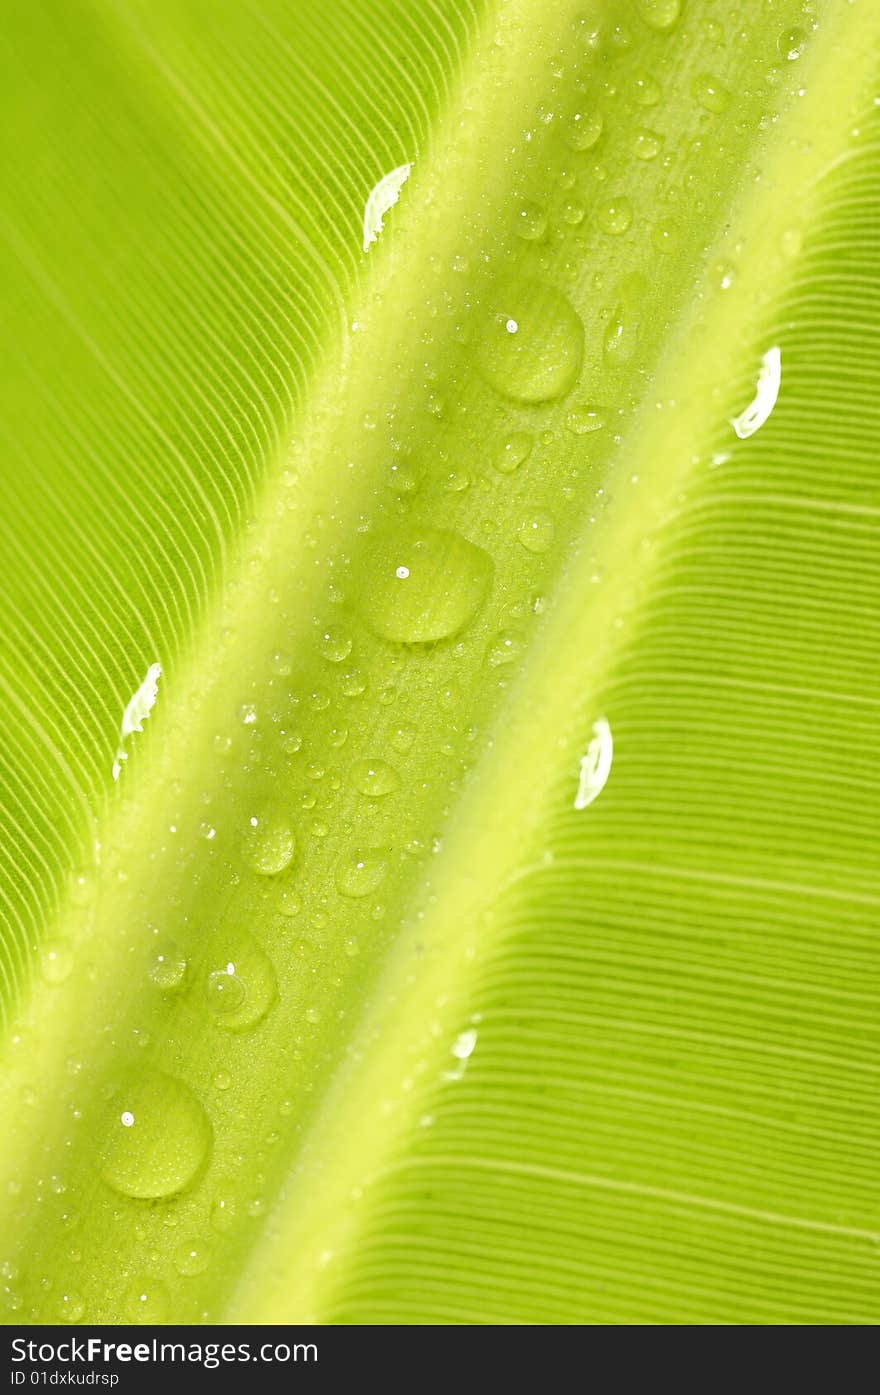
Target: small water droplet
x: 584, y: 129
x: 511, y: 453
x: 156, y: 1137
x: 191, y: 1259
x: 647, y: 144
x: 270, y: 846
x: 620, y: 340
x: 791, y: 44
x: 531, y: 221
x: 353, y: 683
x: 661, y: 15
x: 56, y: 962
x: 240, y: 982
x: 146, y: 1301
x: 168, y: 968
x: 646, y: 91
x: 542, y: 359
x: 223, y: 1207
x: 334, y: 644
x: 708, y: 91
x: 445, y: 584
x: 69, y: 1307
x: 290, y: 901
x: 536, y: 532
x: 584, y: 420
x: 362, y: 871
x: 402, y: 737
x: 615, y: 217
x: 505, y: 648
x: 374, y: 778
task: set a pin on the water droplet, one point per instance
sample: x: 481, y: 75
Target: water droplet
x: 146, y: 1301
x: 191, y: 1259
x: 514, y: 449
x: 791, y: 242
x: 375, y: 778
x: 402, y: 737
x: 647, y: 144
x: 334, y: 644
x: 224, y: 990
x: 573, y: 212
x: 531, y: 221
x: 362, y: 872
x: 445, y: 585
x: 646, y: 91
x: 270, y: 846
x: 791, y: 44
x: 56, y: 962
x: 290, y: 901
x: 223, y: 1207
x: 82, y: 888
x: 664, y: 237
x: 622, y: 330
x: 536, y: 532
x: 156, y: 1137
x: 240, y: 982
x: 69, y: 1307
x: 615, y: 217
x: 353, y: 683
x: 541, y: 361
x: 584, y: 420
x: 708, y: 91
x: 168, y: 968
x: 660, y: 14
x: 584, y: 129
x: 506, y: 648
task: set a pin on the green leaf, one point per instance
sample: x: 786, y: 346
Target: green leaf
x: 482, y: 925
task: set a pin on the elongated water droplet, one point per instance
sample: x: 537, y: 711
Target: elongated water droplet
x: 791, y: 44
x: 362, y: 871
x: 156, y: 1137
x: 622, y: 331
x: 662, y: 15
x: 270, y: 846
x: 240, y: 982
x: 421, y: 585
x: 374, y: 778
x: 511, y: 453
x: 595, y: 765
x: 532, y: 343
x: 584, y: 420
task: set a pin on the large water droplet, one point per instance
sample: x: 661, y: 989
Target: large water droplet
x: 270, y: 845
x: 362, y: 871
x: 374, y: 778
x: 532, y: 342
x: 423, y: 584
x: 660, y: 14
x: 240, y: 982
x: 156, y: 1137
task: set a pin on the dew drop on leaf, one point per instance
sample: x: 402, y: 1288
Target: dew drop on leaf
x: 334, y: 644
x: 156, y: 1137
x: 168, y: 968
x: 146, y: 1301
x: 584, y: 420
x: 512, y: 451
x: 616, y: 216
x: 706, y: 90
x: 505, y: 648
x: 421, y: 585
x: 361, y: 872
x: 530, y: 221
x: 536, y: 532
x: 374, y: 778
x: 584, y: 129
x: 791, y: 44
x: 191, y: 1259
x: 540, y: 360
x: 240, y: 983
x: 269, y: 845
x: 660, y: 14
